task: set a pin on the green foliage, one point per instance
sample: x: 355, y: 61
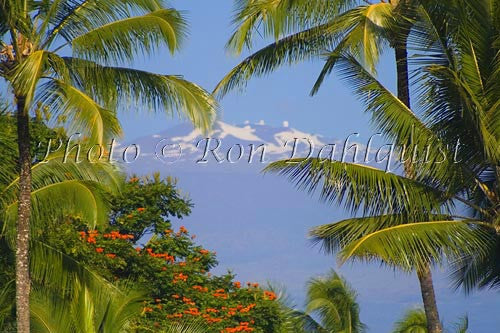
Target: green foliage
x: 162, y: 199
x: 86, y: 311
x: 335, y: 303
x: 169, y: 265
x: 304, y: 30
x: 406, y: 222
x: 413, y: 321
x: 80, y: 89
x: 58, y: 189
x: 330, y: 299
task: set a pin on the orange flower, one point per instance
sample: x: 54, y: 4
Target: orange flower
x: 269, y: 295
x: 237, y: 284
x: 110, y: 255
x: 99, y: 250
x: 141, y: 209
x: 183, y: 230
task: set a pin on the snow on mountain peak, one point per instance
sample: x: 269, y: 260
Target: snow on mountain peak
x: 231, y: 140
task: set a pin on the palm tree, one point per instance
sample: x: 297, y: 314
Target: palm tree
x: 413, y: 321
x: 329, y: 297
x: 85, y: 89
x: 58, y: 189
x: 412, y: 222
x: 334, y: 301
x: 311, y: 28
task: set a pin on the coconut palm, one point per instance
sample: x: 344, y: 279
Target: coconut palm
x: 85, y: 89
x: 331, y: 299
x: 407, y: 222
x: 334, y: 301
x: 413, y: 321
x: 307, y: 29
x: 58, y: 189
x: 413, y: 222
x: 293, y: 320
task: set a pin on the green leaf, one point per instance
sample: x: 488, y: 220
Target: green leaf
x: 118, y: 87
x: 123, y: 40
x: 83, y: 114
x: 360, y: 187
x: 413, y: 321
x: 334, y: 301
x: 414, y: 245
x: 335, y: 236
x: 292, y: 49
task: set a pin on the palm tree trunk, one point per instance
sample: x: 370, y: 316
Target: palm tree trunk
x: 23, y: 219
x: 429, y: 299
x: 424, y: 275
x: 402, y: 73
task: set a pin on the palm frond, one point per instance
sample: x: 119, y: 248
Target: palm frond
x: 360, y: 30
x: 334, y: 237
x: 360, y: 187
x: 117, y: 86
x: 7, y: 294
x: 82, y: 113
x: 186, y: 327
x: 96, y: 307
x: 478, y: 270
x: 84, y: 200
x: 365, y: 38
x: 462, y: 326
x: 413, y: 321
x: 334, y: 301
x: 28, y: 74
x: 124, y: 39
x: 116, y: 308
x: 26, y: 77
x: 292, y: 49
x: 72, y: 18
x: 279, y: 18
x: 414, y: 245
x: 400, y: 124
x: 61, y: 188
x: 49, y: 312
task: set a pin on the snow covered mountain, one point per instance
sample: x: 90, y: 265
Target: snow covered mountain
x: 248, y: 144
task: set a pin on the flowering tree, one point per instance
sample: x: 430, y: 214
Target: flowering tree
x: 169, y: 264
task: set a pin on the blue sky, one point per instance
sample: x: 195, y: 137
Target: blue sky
x: 334, y: 113
x: 284, y: 95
